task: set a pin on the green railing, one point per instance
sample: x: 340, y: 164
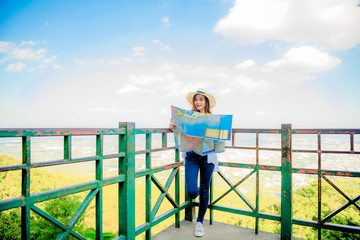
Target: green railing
x: 27, y: 201
x: 287, y: 172
x: 125, y: 179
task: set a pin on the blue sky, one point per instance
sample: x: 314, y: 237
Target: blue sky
x: 95, y: 63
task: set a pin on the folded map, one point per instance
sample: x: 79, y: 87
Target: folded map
x: 199, y: 132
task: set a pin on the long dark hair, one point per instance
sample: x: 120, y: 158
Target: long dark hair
x: 207, y: 105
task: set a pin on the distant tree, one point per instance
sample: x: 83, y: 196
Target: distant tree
x: 60, y: 208
x: 305, y: 201
x: 10, y: 224
x: 329, y: 234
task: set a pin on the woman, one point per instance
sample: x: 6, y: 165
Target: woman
x: 201, y: 101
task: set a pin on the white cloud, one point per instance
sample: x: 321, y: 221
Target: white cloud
x: 139, y: 51
x: 19, y: 66
x: 31, y: 43
x: 42, y: 67
x: 330, y: 22
x: 165, y: 47
x: 4, y: 46
x: 247, y: 64
x: 56, y: 67
x: 165, y: 20
x: 27, y: 52
x: 49, y: 60
x: 305, y: 59
x: 225, y: 91
x: 78, y: 61
x: 111, y: 110
x: 250, y: 83
x: 165, y: 111
x: 5, y: 59
x: 147, y: 79
x: 114, y: 62
x: 297, y: 65
x: 128, y: 60
x: 128, y: 88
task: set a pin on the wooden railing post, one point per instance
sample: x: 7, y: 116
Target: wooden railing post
x: 127, y: 188
x: 286, y: 182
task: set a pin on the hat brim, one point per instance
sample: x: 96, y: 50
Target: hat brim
x: 190, y: 97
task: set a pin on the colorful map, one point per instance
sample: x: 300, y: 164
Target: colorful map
x: 199, y: 132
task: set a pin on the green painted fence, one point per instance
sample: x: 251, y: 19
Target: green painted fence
x: 287, y: 171
x: 127, y: 175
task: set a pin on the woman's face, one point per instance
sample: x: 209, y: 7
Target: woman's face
x: 200, y: 103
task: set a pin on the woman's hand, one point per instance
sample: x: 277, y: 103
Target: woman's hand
x: 172, y: 126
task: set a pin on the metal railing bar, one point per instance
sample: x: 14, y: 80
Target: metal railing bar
x: 81, y: 209
x: 38, y: 132
x: 113, y: 180
x: 48, y: 217
x: 257, y: 186
x: 343, y: 228
x: 62, y: 236
x: 121, y: 237
x: 113, y: 155
x: 12, y: 167
x: 237, y: 165
x: 254, y: 130
x: 12, y: 203
x: 326, y: 151
x: 326, y: 172
x: 152, y: 130
x: 64, y: 161
x: 60, y: 162
x: 164, y: 193
x: 352, y: 201
x: 234, y: 186
x: 56, y: 222
x: 329, y: 226
x: 267, y: 216
x: 340, y: 191
x: 340, y: 173
x: 269, y: 168
x: 253, y: 148
x: 319, y: 195
x: 61, y: 192
x: 144, y: 172
x: 142, y: 228
x: 250, y: 166
x: 154, y: 150
x: 326, y: 131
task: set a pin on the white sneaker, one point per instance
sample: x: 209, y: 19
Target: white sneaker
x: 199, y: 229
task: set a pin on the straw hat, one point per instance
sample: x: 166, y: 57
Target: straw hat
x: 190, y: 96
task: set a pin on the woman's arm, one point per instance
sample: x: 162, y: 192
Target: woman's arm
x: 172, y: 125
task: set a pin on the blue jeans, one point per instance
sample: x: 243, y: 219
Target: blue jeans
x: 193, y: 163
